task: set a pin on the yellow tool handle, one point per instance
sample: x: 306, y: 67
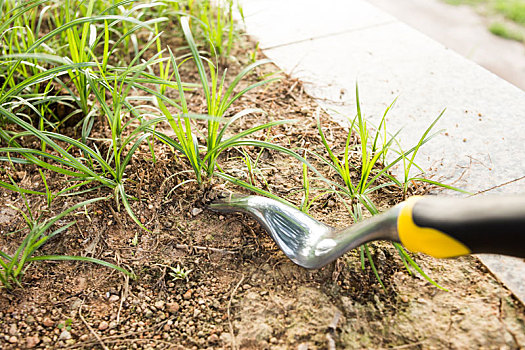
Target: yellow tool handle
x: 450, y: 227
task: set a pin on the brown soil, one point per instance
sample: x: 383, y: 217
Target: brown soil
x: 242, y: 292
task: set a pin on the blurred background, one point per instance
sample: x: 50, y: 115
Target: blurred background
x: 488, y: 32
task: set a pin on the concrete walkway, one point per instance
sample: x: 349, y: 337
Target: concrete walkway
x: 333, y: 44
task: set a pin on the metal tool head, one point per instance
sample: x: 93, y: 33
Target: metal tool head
x: 306, y: 241
x: 298, y: 235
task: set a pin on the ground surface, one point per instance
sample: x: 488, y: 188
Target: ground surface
x: 241, y: 292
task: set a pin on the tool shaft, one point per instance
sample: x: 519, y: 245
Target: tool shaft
x: 437, y: 226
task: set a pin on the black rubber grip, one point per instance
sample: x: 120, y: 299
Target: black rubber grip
x: 489, y: 224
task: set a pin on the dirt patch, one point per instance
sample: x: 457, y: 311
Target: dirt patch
x: 241, y: 291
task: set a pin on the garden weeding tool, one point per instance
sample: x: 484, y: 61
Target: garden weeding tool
x: 438, y: 226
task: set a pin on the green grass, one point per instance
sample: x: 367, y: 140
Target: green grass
x: 92, y: 57
x: 362, y: 169
x: 502, y: 30
x: 511, y: 9
x: 219, y: 96
x: 507, y: 17
x: 80, y: 61
x: 88, y: 56
x: 98, y: 84
x: 39, y: 231
x: 465, y: 2
x: 77, y: 160
x: 71, y: 40
x: 211, y: 22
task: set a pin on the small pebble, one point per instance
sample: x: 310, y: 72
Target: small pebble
x: 12, y: 329
x: 173, y: 307
x: 213, y: 338
x: 160, y: 304
x: 196, y: 211
x: 103, y: 326
x: 188, y: 294
x: 404, y: 298
x: 33, y: 341
x: 76, y: 304
x: 225, y: 337
x: 48, y: 322
x: 65, y: 335
x: 13, y: 339
x: 113, y: 298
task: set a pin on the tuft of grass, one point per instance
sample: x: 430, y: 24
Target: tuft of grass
x: 76, y: 40
x: 464, y: 2
x: 83, y: 41
x: 507, y: 17
x: 179, y: 273
x: 39, y: 231
x: 212, y: 23
x: 75, y: 158
x: 219, y: 98
x: 218, y: 26
x: 81, y: 53
x: 503, y: 30
x: 362, y: 170
x: 511, y: 9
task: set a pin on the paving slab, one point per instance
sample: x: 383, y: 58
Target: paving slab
x: 483, y: 116
x: 316, y: 20
x: 481, y: 147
